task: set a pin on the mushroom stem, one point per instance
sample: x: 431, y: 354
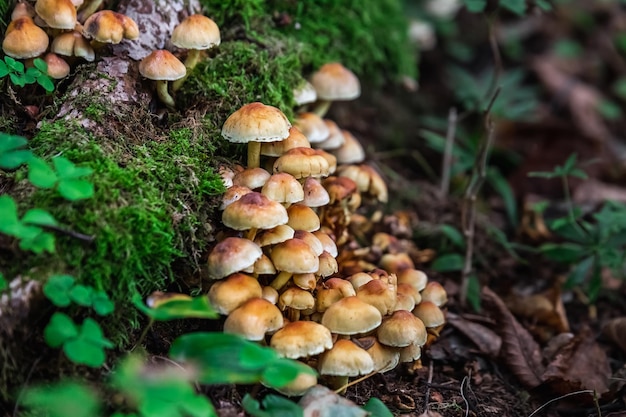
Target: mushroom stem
x: 192, y: 60
x: 88, y: 8
x: 251, y: 233
x: 164, y: 95
x: 254, y: 154
x: 337, y: 382
x: 281, y: 280
x: 321, y: 107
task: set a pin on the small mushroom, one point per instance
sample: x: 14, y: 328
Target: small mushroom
x: 162, y: 66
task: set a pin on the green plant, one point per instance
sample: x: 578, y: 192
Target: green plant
x: 21, y: 76
x: 3, y: 282
x: 82, y: 344
x: 518, y: 7
x: 65, y: 176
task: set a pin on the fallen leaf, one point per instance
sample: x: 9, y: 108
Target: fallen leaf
x: 581, y: 364
x: 430, y: 413
x: 487, y: 341
x: 545, y: 308
x: 596, y: 192
x: 615, y: 330
x: 519, y: 350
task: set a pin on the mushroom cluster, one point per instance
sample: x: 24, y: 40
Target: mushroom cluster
x: 51, y: 30
x: 288, y: 271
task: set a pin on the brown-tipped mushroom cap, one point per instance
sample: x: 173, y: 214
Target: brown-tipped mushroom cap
x: 401, y: 329
x: 302, y: 217
x: 379, y: 294
x: 252, y: 178
x: 58, y: 14
x: 107, y: 26
x: 300, y: 339
x: 283, y: 188
x: 435, y: 293
x: 296, y: 298
x: 368, y: 180
x: 416, y: 278
x: 315, y: 195
x: 385, y: 358
x: 73, y: 44
x: 335, y: 137
x: 333, y: 81
x: 253, y: 319
x: 274, y: 235
x: 295, y: 256
x: 302, y: 163
x: 254, y: 211
x: 430, y: 314
x: 196, y: 32
x: 228, y: 294
x: 328, y: 244
x: 232, y: 194
x: 314, y: 243
x: 313, y: 127
x: 351, y: 152
x: 350, y: 316
x: 295, y: 140
x: 24, y: 39
x: 345, y: 359
x: 57, y: 67
x: 254, y: 123
x: 162, y: 65
x: 232, y: 255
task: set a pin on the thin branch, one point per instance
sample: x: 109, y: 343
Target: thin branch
x: 464, y: 382
x: 446, y: 166
x: 586, y: 391
x: 68, y: 232
x: 428, y: 384
x: 468, y: 214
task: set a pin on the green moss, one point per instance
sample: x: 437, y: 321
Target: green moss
x: 149, y: 209
x: 370, y: 37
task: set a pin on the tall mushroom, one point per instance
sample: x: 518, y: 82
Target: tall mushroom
x: 162, y: 66
x: 334, y: 82
x: 253, y: 124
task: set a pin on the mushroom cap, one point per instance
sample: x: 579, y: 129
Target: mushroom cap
x: 305, y: 93
x: 312, y: 126
x: 254, y: 211
x: 368, y: 180
x: 311, y: 240
x: 385, y: 358
x: 58, y: 14
x: 107, y: 26
x: 73, y: 44
x: 335, y: 137
x: 414, y: 277
x: 328, y: 244
x: 283, y: 188
x: 162, y: 65
x: 333, y: 81
x: 302, y: 162
x: 57, y: 67
x: 253, y: 319
x: 295, y: 256
x: 24, y: 39
x: 196, y: 32
x: 298, y: 386
x: 256, y: 122
x: 411, y: 353
x: 296, y: 298
x: 22, y: 9
x: 303, y: 217
x: 232, y: 194
x: 264, y: 266
x: 351, y: 315
x: 345, y: 359
x: 228, y: 294
x: 328, y: 265
x: 379, y: 294
x: 435, y: 292
x: 401, y: 329
x: 351, y: 151
x: 231, y: 255
x: 296, y: 139
x: 274, y: 235
x: 301, y: 339
x: 315, y: 195
x: 430, y: 314
x: 252, y: 178
x: 339, y: 188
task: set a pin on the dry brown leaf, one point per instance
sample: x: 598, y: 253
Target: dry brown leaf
x: 594, y: 192
x: 615, y: 330
x: 430, y: 413
x: 487, y: 341
x: 519, y: 350
x: 579, y: 365
x: 545, y: 308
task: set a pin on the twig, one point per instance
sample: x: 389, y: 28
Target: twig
x: 465, y: 381
x: 586, y: 391
x: 468, y: 214
x: 446, y: 166
x: 70, y: 233
x: 428, y: 384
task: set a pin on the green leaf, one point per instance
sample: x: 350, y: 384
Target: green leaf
x: 274, y: 405
x: 15, y: 65
x: 475, y: 6
x: 29, y: 76
x: 101, y: 303
x: 609, y: 110
x: 81, y: 295
x: 17, y: 80
x: 67, y: 170
x: 46, y: 83
x: 281, y: 372
x: 377, y: 408
x: 448, y: 263
x: 59, y: 330
x: 3, y: 282
x: 570, y: 163
x: 40, y: 173
x: 516, y: 6
x: 41, y: 65
x: 453, y: 234
x: 88, y: 347
x: 563, y: 252
x: 57, y: 289
x: 578, y: 173
x: 73, y: 190
x: 8, y: 214
x: 197, y: 406
x: 473, y: 292
x: 39, y: 217
x: 580, y: 272
x: 197, y: 307
x: 503, y: 188
x: 11, y: 156
x: 38, y: 241
x: 4, y: 70
x: 252, y: 357
x: 63, y: 399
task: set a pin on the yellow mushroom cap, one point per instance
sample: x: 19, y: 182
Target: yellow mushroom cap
x: 345, y: 359
x: 295, y: 140
x: 57, y: 67
x: 401, y: 329
x: 256, y: 122
x: 283, y: 188
x: 333, y: 81
x: 232, y: 255
x: 313, y: 127
x: 24, y: 39
x: 435, y: 292
x: 253, y: 319
x: 73, y: 44
x: 301, y: 339
x: 162, y: 65
x: 295, y: 256
x: 228, y: 294
x: 58, y: 14
x: 302, y: 163
x: 196, y: 32
x: 107, y: 26
x: 351, y: 315
x: 430, y: 314
x: 303, y: 217
x: 274, y: 235
x: 351, y: 151
x: 315, y: 195
x: 254, y: 211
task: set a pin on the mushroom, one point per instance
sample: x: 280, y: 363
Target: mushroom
x: 228, y: 294
x: 351, y: 151
x: 283, y: 188
x: 303, y: 163
x: 293, y: 256
x: 162, y: 66
x: 73, y: 44
x: 232, y: 255
x: 334, y: 82
x: 296, y: 139
x: 57, y: 67
x: 254, y: 319
x: 196, y: 33
x: 300, y: 339
x: 435, y: 293
x: 401, y: 329
x: 344, y: 360
x: 253, y: 178
x: 351, y: 315
x: 58, y: 14
x: 253, y: 124
x: 24, y: 39
x: 302, y: 217
x: 254, y: 211
x: 313, y: 127
x: 107, y: 26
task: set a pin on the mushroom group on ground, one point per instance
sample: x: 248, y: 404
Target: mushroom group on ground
x: 315, y: 293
